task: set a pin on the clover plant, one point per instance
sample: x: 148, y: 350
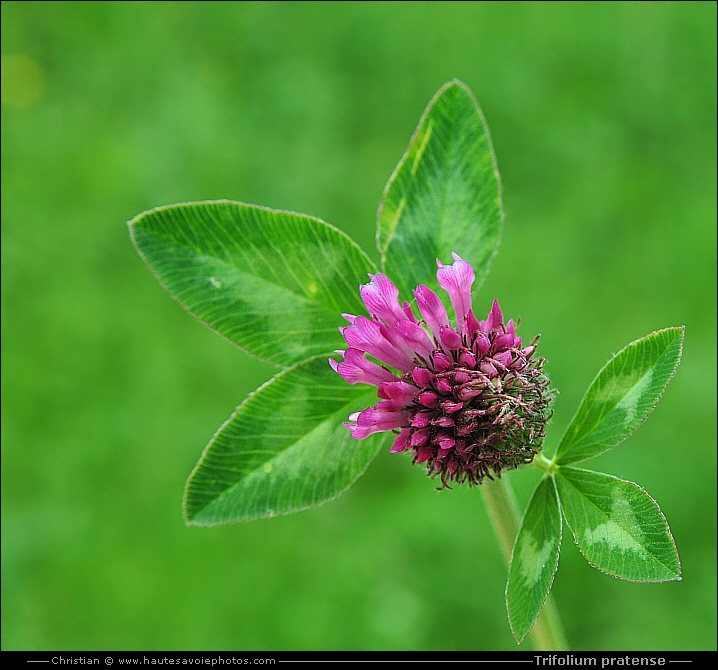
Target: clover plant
x: 463, y: 396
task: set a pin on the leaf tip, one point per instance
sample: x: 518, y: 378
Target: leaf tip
x: 457, y: 82
x: 519, y: 638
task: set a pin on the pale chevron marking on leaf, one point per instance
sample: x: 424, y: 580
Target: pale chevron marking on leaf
x: 630, y: 401
x: 533, y: 560
x: 626, y: 536
x: 622, y: 395
x: 618, y: 527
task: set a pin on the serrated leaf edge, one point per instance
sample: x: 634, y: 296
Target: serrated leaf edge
x: 678, y: 578
x: 555, y: 567
x: 191, y: 522
x: 135, y: 220
x: 556, y: 458
x: 479, y: 280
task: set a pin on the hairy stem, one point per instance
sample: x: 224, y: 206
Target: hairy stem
x: 547, y: 633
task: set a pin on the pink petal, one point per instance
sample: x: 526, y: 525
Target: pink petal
x: 442, y: 362
x: 467, y: 359
x: 450, y: 407
x: 450, y: 338
x: 488, y: 369
x: 468, y: 392
x: 428, y: 399
x: 381, y: 299
x: 395, y: 339
x: 420, y: 436
x: 443, y: 386
x: 401, y: 443
x: 366, y: 335
x: 400, y: 392
x: 461, y: 377
x: 415, y: 337
x: 424, y: 454
x: 506, y: 341
x: 388, y: 406
x: 481, y: 344
x: 431, y: 309
x: 472, y: 324
x: 360, y: 432
x: 409, y: 313
x: 456, y: 280
x: 422, y: 377
x: 495, y: 319
x: 421, y: 420
x: 356, y: 369
x: 377, y: 419
x: 444, y: 441
x: 504, y: 357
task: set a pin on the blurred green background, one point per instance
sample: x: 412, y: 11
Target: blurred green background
x: 603, y: 121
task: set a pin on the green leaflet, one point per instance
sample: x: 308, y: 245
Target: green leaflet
x: 284, y: 449
x: 618, y: 527
x: 535, y: 559
x: 444, y: 195
x: 622, y: 395
x: 274, y: 283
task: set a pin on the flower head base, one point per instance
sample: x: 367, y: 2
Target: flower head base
x: 467, y: 399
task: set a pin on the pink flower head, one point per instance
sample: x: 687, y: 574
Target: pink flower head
x: 464, y: 398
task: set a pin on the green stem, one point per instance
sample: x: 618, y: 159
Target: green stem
x: 547, y: 633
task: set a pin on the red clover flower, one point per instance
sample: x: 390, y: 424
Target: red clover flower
x: 468, y: 400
